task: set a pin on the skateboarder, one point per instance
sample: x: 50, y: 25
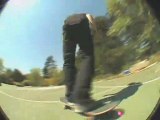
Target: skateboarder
x: 78, y: 30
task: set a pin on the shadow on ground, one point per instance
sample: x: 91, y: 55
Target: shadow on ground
x: 125, y: 93
x: 130, y: 90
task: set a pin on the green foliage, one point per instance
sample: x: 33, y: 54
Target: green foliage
x: 115, y: 7
x: 119, y: 26
x: 115, y: 59
x: 1, y: 66
x: 17, y: 76
x: 128, y: 33
x: 135, y: 25
x: 4, y: 78
x: 108, y: 50
x: 5, y: 74
x: 8, y: 76
x: 49, y: 68
x: 56, y: 79
x: 35, y: 78
x: 53, y: 76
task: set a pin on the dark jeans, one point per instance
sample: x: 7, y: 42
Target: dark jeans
x: 78, y: 84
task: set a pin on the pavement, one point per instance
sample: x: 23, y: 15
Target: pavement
x: 138, y: 95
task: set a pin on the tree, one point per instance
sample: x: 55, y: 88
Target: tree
x: 35, y: 78
x: 5, y: 77
x: 104, y: 45
x: 2, y: 75
x: 17, y: 76
x: 135, y: 24
x: 49, y: 67
x: 1, y: 66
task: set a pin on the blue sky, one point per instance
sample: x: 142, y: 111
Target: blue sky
x: 31, y: 30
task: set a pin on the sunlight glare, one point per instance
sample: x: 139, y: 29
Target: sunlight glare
x: 23, y: 4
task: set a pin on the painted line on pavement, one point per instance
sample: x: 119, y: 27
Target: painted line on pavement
x: 27, y: 100
x: 122, y: 86
x: 41, y: 88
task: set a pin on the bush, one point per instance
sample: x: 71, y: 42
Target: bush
x: 56, y: 79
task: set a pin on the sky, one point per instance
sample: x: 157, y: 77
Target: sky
x: 31, y: 30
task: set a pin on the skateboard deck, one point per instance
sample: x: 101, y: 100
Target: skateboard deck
x: 97, y: 109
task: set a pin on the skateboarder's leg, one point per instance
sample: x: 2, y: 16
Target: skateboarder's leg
x: 84, y: 77
x: 69, y: 47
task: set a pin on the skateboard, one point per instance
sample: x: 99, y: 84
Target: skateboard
x: 99, y: 108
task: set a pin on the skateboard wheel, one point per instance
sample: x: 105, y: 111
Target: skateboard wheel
x: 66, y: 107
